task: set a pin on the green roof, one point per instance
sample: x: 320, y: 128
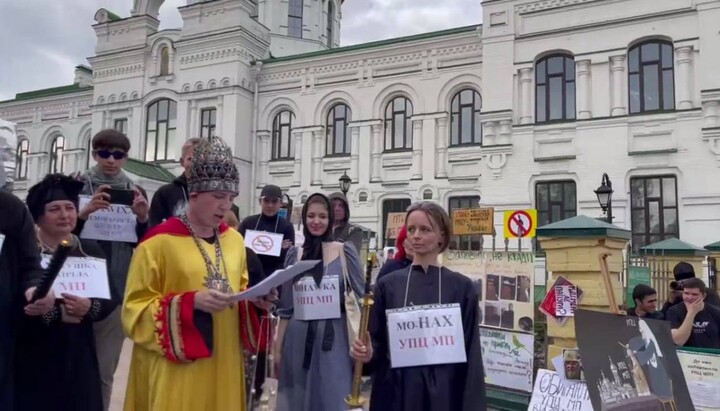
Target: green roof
x: 582, y: 226
x: 713, y: 247
x: 373, y: 44
x: 112, y: 16
x: 672, y: 246
x: 148, y: 170
x: 47, y: 92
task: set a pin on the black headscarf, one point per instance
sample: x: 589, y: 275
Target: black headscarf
x: 313, y: 250
x: 54, y: 187
x: 312, y: 247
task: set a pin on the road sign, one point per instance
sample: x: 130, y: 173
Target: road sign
x: 520, y: 221
x: 473, y: 221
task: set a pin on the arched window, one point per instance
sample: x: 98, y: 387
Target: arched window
x: 21, y: 159
x: 337, y: 136
x: 398, y: 125
x: 651, y: 77
x: 555, y: 88
x: 465, y: 126
x: 282, y: 147
x: 330, y: 23
x: 427, y: 194
x: 303, y: 199
x: 164, y: 61
x: 295, y: 18
x: 160, y: 142
x: 363, y: 197
x: 56, y: 154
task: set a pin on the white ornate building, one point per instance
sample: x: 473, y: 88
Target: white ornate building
x: 526, y: 111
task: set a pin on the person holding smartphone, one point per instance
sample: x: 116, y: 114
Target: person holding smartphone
x: 107, y: 189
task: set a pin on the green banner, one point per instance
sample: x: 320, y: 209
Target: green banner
x: 636, y: 275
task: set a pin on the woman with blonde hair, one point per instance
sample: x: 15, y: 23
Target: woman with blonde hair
x: 424, y: 327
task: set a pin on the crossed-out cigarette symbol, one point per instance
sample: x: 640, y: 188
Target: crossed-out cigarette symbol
x: 262, y: 243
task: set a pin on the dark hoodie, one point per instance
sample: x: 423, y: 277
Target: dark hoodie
x: 346, y: 232
x: 171, y: 200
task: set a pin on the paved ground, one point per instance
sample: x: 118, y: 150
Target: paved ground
x: 116, y: 404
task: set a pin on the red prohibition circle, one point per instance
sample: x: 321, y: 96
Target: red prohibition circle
x: 525, y: 230
x: 262, y: 243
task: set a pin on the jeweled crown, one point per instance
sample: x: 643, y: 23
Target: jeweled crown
x: 213, y: 168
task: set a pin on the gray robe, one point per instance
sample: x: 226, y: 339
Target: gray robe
x: 324, y: 385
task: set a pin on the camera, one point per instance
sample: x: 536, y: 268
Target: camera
x: 676, y: 286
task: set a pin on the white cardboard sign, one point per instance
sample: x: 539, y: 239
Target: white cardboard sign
x: 553, y: 393
x: 264, y: 243
x: 85, y: 277
x: 426, y: 335
x: 313, y: 302
x: 117, y: 223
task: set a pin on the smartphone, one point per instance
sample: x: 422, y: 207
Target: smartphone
x: 119, y: 196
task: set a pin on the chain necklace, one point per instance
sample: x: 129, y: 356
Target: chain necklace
x: 214, y: 280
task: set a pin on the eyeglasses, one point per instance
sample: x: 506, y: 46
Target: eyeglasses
x: 117, y: 154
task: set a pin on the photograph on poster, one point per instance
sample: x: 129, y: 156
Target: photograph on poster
x: 504, y: 281
x: 630, y: 363
x: 572, y: 365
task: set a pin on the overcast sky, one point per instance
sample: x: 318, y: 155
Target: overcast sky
x: 41, y: 41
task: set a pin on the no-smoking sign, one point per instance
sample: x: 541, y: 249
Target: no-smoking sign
x: 520, y: 223
x: 262, y: 244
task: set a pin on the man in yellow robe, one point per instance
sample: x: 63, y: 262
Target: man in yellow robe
x: 188, y: 334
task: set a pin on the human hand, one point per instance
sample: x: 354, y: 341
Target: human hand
x: 41, y: 306
x: 286, y: 244
x: 67, y: 318
x: 99, y: 201
x: 212, y: 301
x: 361, y: 349
x: 76, y: 306
x: 266, y: 303
x: 140, y: 206
x: 695, y: 307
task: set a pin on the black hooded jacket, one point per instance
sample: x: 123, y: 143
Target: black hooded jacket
x: 346, y: 232
x: 171, y: 200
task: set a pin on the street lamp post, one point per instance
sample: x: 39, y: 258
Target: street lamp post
x: 604, y: 196
x: 345, y: 182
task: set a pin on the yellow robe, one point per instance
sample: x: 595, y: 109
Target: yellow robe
x: 162, y: 375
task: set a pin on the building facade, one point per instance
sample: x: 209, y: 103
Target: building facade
x: 526, y: 111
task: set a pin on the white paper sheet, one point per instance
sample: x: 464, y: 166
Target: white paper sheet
x: 275, y: 279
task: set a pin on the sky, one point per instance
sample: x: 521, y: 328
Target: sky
x: 41, y: 41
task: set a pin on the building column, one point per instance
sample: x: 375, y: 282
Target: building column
x: 442, y: 143
x: 355, y: 153
x: 264, y: 138
x: 526, y: 116
x: 297, y: 173
x: 219, y: 118
x: 317, y: 148
x: 192, y: 124
x: 683, y: 90
x: 584, y: 89
x: 417, y: 166
x: 376, y: 152
x: 617, y: 73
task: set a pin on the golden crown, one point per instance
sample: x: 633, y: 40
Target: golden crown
x: 213, y: 168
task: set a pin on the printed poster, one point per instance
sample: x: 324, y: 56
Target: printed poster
x: 630, y: 363
x: 504, y: 282
x: 702, y: 373
x: 507, y: 358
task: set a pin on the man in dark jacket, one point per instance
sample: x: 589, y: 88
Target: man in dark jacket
x: 269, y: 221
x: 683, y: 271
x: 343, y: 231
x: 171, y: 199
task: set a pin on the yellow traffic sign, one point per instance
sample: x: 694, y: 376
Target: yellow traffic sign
x: 520, y: 223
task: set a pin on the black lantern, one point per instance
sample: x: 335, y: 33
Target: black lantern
x: 345, y: 182
x: 604, y: 196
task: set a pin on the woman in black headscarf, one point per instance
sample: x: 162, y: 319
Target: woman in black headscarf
x: 57, y: 365
x: 312, y: 348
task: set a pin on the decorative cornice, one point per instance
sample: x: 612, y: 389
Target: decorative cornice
x: 549, y: 4
x: 118, y: 71
x: 216, y: 55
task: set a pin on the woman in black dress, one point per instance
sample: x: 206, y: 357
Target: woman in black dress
x: 440, y: 383
x: 57, y: 367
